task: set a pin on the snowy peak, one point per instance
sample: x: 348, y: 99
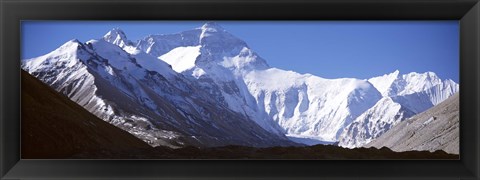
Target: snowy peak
x: 116, y: 36
x: 211, y: 27
x: 416, y: 82
x: 207, y: 47
x: 220, y: 47
x: 71, y: 44
x: 67, y: 54
x: 68, y: 47
x: 114, y: 33
x: 394, y: 84
x: 213, y: 34
x: 396, y: 72
x: 383, y: 83
x: 72, y: 41
x: 427, y: 76
x: 160, y: 44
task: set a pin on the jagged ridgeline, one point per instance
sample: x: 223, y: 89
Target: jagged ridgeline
x: 205, y: 87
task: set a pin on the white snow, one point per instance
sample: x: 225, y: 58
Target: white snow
x: 153, y: 64
x: 309, y: 106
x: 429, y: 121
x: 209, y: 28
x: 116, y: 36
x: 310, y: 141
x: 383, y: 83
x: 372, y: 123
x: 63, y: 54
x: 115, y: 55
x: 182, y: 58
x: 395, y: 84
x: 198, y: 72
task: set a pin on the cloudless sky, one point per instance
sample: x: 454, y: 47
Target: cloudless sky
x: 329, y: 49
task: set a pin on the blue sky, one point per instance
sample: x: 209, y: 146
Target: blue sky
x: 329, y: 49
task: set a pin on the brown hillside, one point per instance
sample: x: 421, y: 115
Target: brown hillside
x: 53, y: 126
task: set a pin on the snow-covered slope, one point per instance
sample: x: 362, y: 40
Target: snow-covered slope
x: 373, y: 123
x: 182, y: 58
x: 309, y: 106
x: 383, y: 83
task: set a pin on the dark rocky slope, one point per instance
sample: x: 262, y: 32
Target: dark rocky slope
x: 53, y: 126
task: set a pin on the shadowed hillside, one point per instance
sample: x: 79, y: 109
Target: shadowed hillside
x: 53, y: 126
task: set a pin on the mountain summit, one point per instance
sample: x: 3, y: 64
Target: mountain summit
x: 211, y: 27
x: 117, y: 36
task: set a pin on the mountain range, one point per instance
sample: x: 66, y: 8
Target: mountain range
x: 206, y: 87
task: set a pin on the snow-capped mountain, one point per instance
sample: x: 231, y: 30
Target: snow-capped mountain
x: 143, y: 95
x: 206, y: 86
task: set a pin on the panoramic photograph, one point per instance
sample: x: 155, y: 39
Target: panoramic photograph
x: 305, y: 90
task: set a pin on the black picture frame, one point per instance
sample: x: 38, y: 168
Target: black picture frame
x: 14, y: 11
